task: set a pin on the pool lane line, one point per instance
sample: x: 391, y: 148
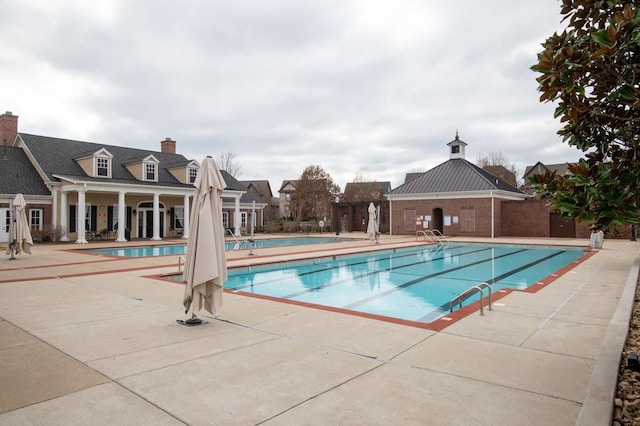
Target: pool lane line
x: 324, y: 268
x: 445, y: 307
x: 424, y: 278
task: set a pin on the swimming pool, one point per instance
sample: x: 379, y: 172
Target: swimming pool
x: 412, y: 284
x: 165, y: 250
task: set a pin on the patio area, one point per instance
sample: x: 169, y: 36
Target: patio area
x: 88, y: 339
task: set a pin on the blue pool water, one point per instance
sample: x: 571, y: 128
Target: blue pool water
x: 164, y: 250
x: 413, y: 284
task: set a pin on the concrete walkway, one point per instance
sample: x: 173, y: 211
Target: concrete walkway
x: 93, y: 340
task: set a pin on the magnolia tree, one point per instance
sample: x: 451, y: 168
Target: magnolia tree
x: 592, y: 72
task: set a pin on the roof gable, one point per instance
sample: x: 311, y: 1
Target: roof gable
x: 288, y: 186
x: 365, y: 191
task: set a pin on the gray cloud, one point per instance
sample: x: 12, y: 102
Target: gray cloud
x: 284, y: 84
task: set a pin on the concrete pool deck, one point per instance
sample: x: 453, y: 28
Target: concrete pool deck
x: 88, y: 339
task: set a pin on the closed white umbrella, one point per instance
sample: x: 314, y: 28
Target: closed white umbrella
x: 205, y: 268
x: 372, y: 226
x: 20, y: 235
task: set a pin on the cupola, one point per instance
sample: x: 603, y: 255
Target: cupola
x: 456, y: 148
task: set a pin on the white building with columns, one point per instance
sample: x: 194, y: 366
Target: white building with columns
x: 106, y: 191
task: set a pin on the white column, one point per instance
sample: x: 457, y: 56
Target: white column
x: 390, y: 218
x: 54, y: 207
x: 156, y: 217
x: 81, y: 213
x: 185, y: 222
x: 64, y: 224
x: 493, y: 216
x: 122, y: 223
x: 236, y: 217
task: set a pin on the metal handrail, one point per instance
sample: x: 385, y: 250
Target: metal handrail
x: 426, y: 236
x: 238, y: 243
x: 434, y: 236
x: 470, y: 291
x: 181, y: 260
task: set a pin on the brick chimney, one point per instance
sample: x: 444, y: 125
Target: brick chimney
x: 8, y: 128
x: 168, y: 146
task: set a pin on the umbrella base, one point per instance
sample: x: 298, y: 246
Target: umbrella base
x: 192, y: 322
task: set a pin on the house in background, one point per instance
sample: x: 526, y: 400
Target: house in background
x: 262, y: 190
x: 540, y: 168
x: 456, y: 198
x: 539, y: 214
x: 108, y: 191
x: 353, y: 205
x: 287, y: 188
x: 503, y: 173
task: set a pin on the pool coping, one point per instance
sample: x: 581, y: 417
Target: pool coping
x: 438, y: 324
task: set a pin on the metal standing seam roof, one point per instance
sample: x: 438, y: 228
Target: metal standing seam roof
x: 455, y: 175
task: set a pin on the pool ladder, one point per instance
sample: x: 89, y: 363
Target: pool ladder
x: 434, y: 236
x: 471, y: 290
x: 237, y: 245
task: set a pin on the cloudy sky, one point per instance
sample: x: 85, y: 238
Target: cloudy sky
x: 368, y: 87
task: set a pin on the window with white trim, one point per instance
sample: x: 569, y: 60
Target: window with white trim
x: 225, y: 220
x: 178, y: 217
x: 243, y: 220
x: 193, y: 173
x: 150, y: 172
x: 102, y: 167
x: 87, y: 217
x: 35, y: 219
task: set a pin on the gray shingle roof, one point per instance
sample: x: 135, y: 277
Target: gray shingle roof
x: 18, y: 174
x: 56, y: 157
x: 234, y: 184
x: 559, y: 169
x: 456, y: 175
x: 365, y: 191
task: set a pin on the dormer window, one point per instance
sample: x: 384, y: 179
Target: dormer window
x: 96, y: 163
x: 102, y: 167
x: 193, y: 173
x: 151, y: 172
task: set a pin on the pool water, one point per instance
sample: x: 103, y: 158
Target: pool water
x: 165, y: 250
x: 415, y: 284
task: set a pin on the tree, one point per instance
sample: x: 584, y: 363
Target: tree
x: 314, y: 193
x: 494, y: 161
x: 362, y: 175
x: 592, y: 71
x: 227, y: 162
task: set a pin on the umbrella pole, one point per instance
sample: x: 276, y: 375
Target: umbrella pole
x: 12, y: 230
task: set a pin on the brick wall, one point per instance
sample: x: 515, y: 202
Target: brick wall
x: 477, y: 208
x: 528, y: 218
x: 513, y: 218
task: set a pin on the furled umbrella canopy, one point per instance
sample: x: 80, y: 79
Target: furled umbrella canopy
x: 20, y: 234
x: 372, y: 226
x: 205, y: 265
